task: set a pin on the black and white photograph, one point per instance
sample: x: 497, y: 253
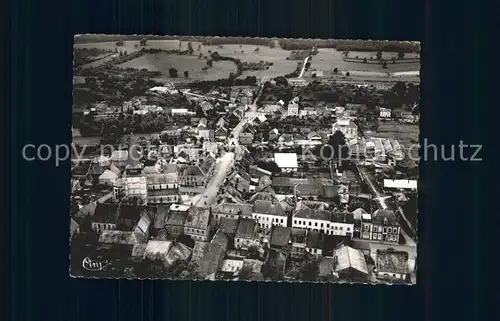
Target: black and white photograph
x: 245, y: 159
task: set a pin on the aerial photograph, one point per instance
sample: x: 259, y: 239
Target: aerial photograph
x: 244, y: 159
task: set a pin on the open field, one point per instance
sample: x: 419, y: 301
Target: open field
x: 276, y: 55
x: 328, y: 59
x: 163, y: 62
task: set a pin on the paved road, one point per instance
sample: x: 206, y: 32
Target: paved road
x: 222, y: 168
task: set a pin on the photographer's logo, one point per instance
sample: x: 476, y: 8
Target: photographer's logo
x: 91, y: 265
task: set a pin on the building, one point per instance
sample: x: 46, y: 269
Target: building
x: 108, y: 178
x: 269, y: 214
x: 206, y: 134
x: 293, y: 110
x: 178, y: 251
x: 385, y: 113
x: 197, y: 224
x: 314, y: 243
x: 213, y: 256
x: 400, y: 184
x: 298, y: 238
x: 246, y: 234
x: 105, y: 217
x: 119, y: 158
x: 162, y: 188
x: 314, y: 191
x: 319, y: 219
x: 228, y: 226
x: 391, y: 265
x: 346, y: 263
x: 280, y: 237
x: 197, y: 175
x: 231, y: 211
x: 287, y: 162
x: 174, y: 224
x: 134, y: 183
x: 385, y: 227
x: 347, y: 127
x: 128, y: 217
x: 297, y: 82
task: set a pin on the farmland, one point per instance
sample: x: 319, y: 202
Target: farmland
x: 328, y: 59
x: 163, y: 62
x: 406, y: 134
x: 246, y: 53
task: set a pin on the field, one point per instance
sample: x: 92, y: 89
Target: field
x: 328, y: 59
x: 276, y: 55
x: 163, y: 62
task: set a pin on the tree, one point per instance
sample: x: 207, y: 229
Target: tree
x: 384, y: 64
x: 245, y: 273
x: 309, y: 271
x: 209, y: 62
x: 186, y: 74
x: 364, y: 60
x: 272, y: 44
x: 348, y: 74
x: 190, y: 47
x: 393, y: 60
x: 199, y: 47
x: 308, y: 64
x: 173, y: 72
x: 379, y: 55
x: 335, y: 148
x: 253, y: 252
x: 256, y: 49
x: 401, y: 55
x: 346, y: 53
x: 336, y: 70
x: 143, y: 42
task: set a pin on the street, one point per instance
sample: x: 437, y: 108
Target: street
x: 381, y: 201
x: 221, y: 170
x: 304, y: 67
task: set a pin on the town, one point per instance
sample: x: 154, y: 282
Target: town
x: 210, y: 158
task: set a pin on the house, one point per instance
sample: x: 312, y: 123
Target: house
x: 134, y: 184
x: 346, y: 263
x: 385, y: 112
x: 213, y: 257
x: 314, y: 243
x: 308, y: 111
x: 162, y: 188
x: 273, y: 134
x: 197, y: 224
x: 119, y: 157
x: 157, y: 250
x: 246, y: 234
x: 160, y: 219
x: 230, y: 267
x: 128, y: 217
x: 269, y: 214
x: 228, y: 226
x: 331, y: 242
x: 202, y: 124
x: 146, y: 222
x: 286, y: 139
x: 297, y: 82
x: 108, y: 178
x: 287, y: 162
x: 347, y: 127
x: 179, y: 208
x: 306, y: 216
x: 221, y: 133
x: 174, y: 224
x: 222, y: 122
x: 178, y: 251
x: 391, y: 265
x: 280, y: 237
x: 314, y: 191
x: 239, y: 179
x: 206, y: 134
x: 105, y: 217
x: 197, y: 175
x: 298, y: 238
x: 400, y: 184
x: 232, y: 211
x: 385, y: 226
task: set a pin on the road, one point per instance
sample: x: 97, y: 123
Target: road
x: 381, y: 202
x: 222, y: 168
x: 304, y: 66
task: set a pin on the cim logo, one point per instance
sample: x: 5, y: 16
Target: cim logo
x: 91, y: 265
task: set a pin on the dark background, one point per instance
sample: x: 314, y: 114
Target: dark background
x: 452, y: 211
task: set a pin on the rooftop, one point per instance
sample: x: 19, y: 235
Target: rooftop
x: 392, y: 261
x: 176, y: 219
x: 269, y: 208
x: 157, y: 250
x: 347, y: 257
x: 161, y: 217
x: 198, y: 218
x: 214, y: 254
x: 384, y: 217
x: 179, y: 207
x: 178, y: 252
x: 228, y: 225
x: 280, y: 236
x: 314, y: 239
x: 246, y: 229
x: 118, y: 237
x: 105, y: 213
x: 298, y: 235
x: 232, y: 209
x: 199, y: 250
x: 286, y: 160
